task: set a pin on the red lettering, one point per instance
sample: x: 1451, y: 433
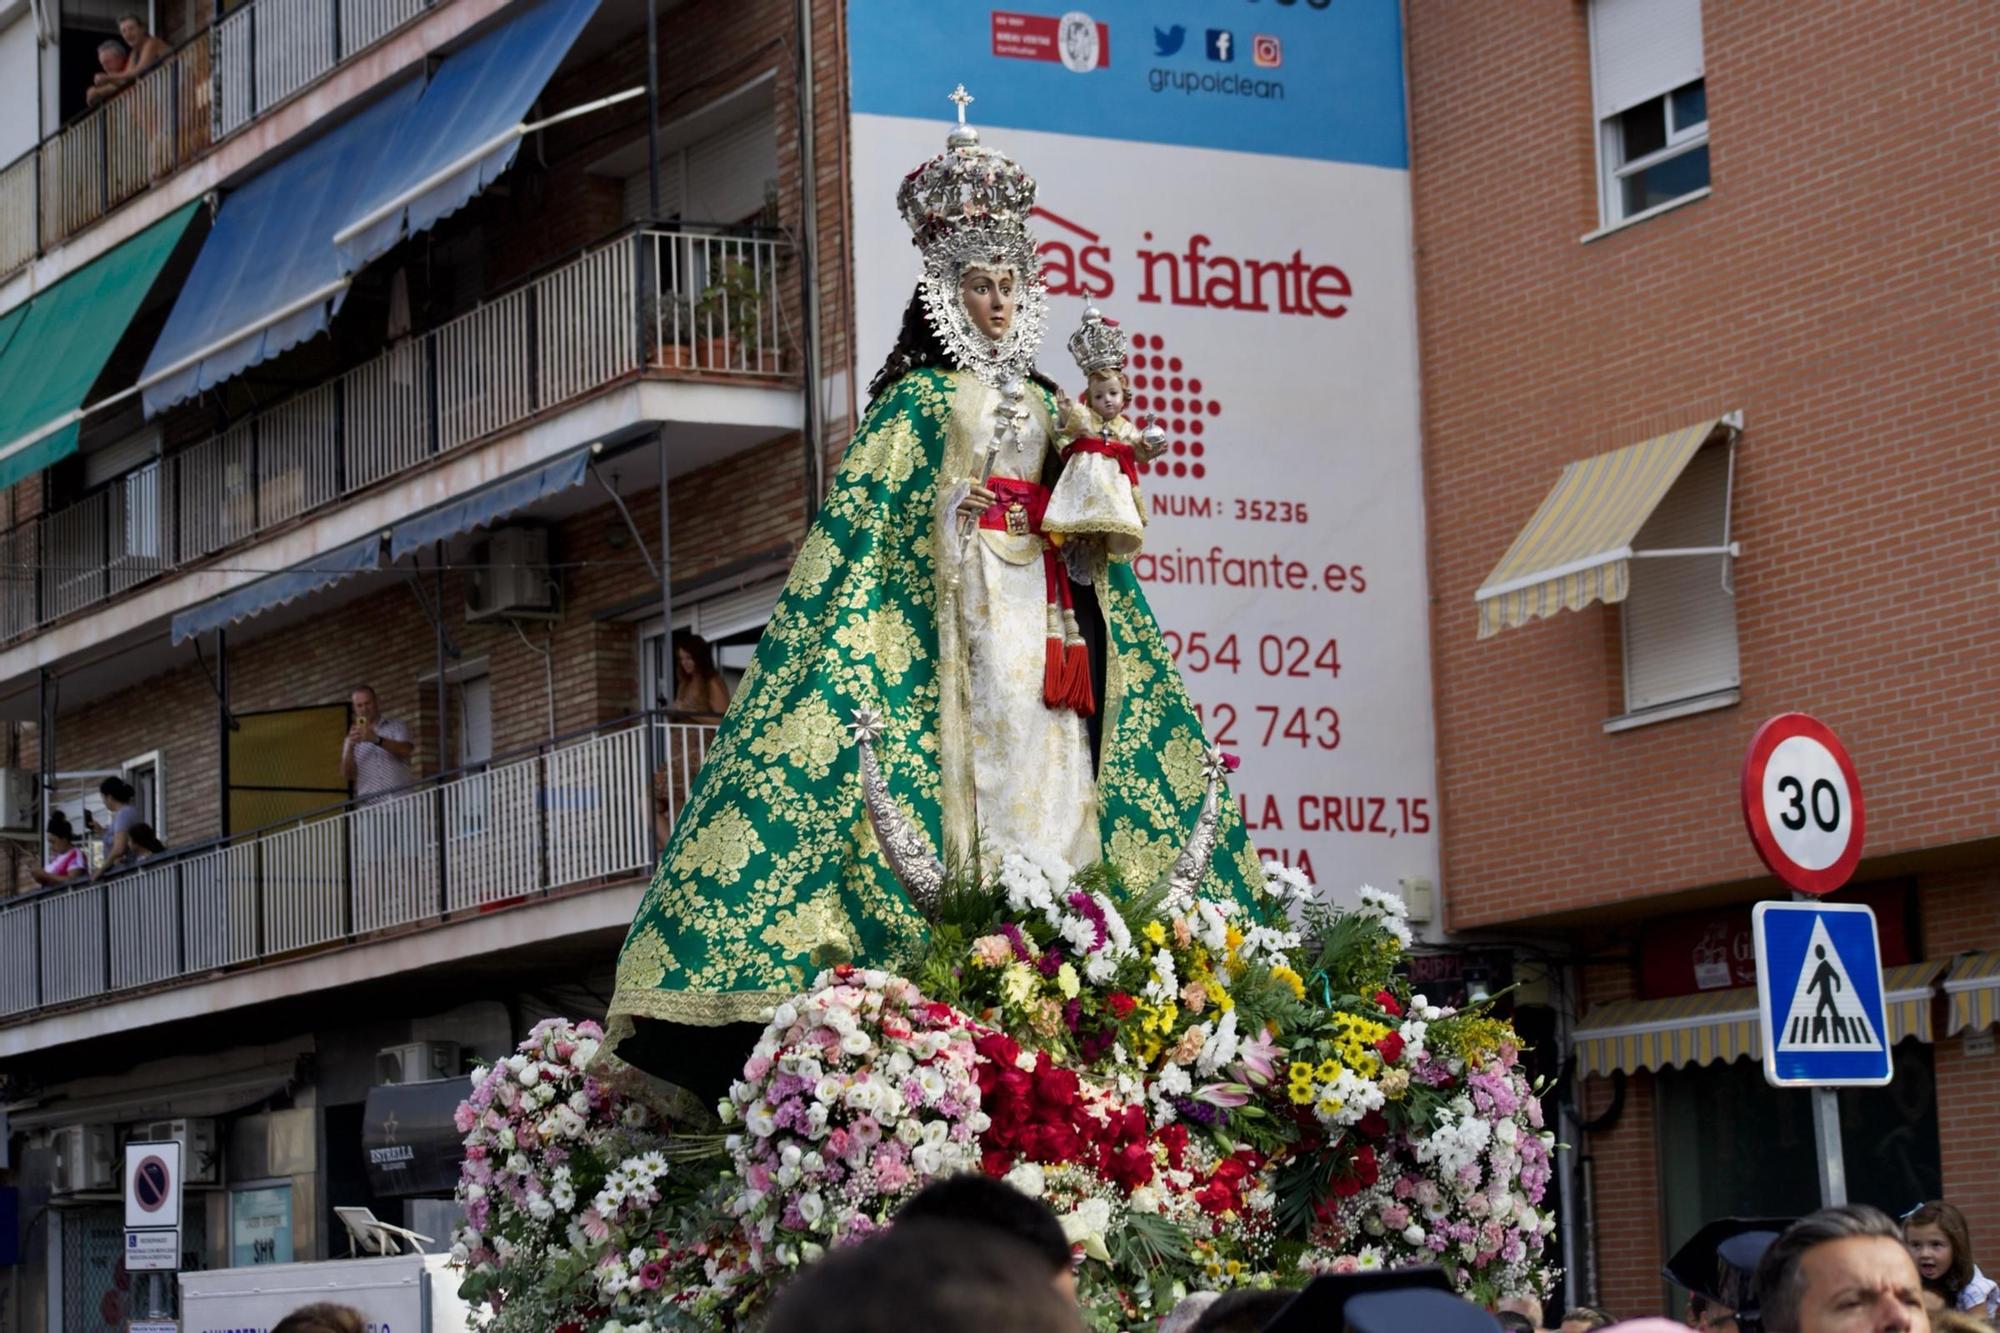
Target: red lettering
x: 1329, y: 281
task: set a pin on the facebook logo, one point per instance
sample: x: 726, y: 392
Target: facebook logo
x: 1221, y: 45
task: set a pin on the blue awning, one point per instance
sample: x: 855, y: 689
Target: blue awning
x: 278, y: 590
x: 464, y: 132
x: 267, y: 277
x: 489, y: 504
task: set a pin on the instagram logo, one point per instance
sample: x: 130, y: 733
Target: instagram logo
x: 1266, y: 52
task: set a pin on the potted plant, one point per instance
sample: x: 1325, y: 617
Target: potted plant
x: 728, y: 317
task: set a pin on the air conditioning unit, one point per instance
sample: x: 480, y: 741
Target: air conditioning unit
x: 201, y: 1164
x: 418, y: 1062
x: 18, y: 807
x: 511, y: 577
x: 84, y: 1159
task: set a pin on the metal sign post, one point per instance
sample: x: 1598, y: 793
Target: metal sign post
x: 1819, y: 977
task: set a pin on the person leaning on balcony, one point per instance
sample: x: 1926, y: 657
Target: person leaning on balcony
x: 113, y: 61
x: 375, y: 757
x: 119, y: 849
x: 147, y: 50
x: 700, y: 692
x: 66, y: 859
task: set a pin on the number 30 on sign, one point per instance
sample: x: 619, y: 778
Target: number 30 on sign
x: 1802, y: 801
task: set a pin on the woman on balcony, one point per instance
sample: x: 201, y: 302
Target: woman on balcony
x: 66, y: 860
x: 926, y: 593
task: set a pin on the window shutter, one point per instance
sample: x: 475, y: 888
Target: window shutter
x: 475, y: 737
x: 1640, y: 49
x: 1680, y: 626
x: 115, y: 460
x: 734, y: 612
x: 638, y: 191
x: 728, y: 170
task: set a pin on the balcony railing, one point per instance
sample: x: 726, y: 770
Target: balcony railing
x: 659, y: 301
x: 563, y: 816
x: 209, y: 88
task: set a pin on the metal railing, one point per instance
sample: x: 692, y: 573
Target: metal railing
x: 560, y: 336
x: 210, y: 87
x: 561, y: 816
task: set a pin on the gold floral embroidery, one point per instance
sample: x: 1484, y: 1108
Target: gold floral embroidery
x: 722, y: 847
x: 645, y: 960
x: 808, y: 737
x: 1181, y: 762
x: 819, y: 929
x: 884, y: 637
x: 889, y: 454
x: 814, y: 567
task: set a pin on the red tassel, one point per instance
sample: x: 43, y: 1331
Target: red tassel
x: 1080, y: 696
x: 1055, y: 674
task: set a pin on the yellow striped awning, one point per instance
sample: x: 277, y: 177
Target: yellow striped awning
x: 1631, y: 1035
x: 1974, y: 989
x: 1577, y: 549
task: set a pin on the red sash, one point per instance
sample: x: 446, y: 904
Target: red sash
x: 1018, y: 510
x: 1117, y: 450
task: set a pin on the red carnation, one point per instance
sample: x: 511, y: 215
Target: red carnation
x: 1130, y: 1166
x: 1387, y: 1004
x: 1119, y: 1003
x: 1373, y: 1125
x: 998, y: 1047
x: 995, y: 1162
x: 1391, y: 1046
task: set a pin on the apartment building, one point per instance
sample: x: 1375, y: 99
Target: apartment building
x: 357, y: 343
x: 1705, y: 299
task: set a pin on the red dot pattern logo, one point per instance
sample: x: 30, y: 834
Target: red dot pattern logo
x: 1164, y: 393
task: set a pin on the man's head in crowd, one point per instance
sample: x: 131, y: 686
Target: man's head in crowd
x: 1841, y: 1270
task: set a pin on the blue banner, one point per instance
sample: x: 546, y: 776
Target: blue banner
x: 1296, y: 78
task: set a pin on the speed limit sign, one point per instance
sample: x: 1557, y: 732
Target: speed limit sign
x: 1802, y: 801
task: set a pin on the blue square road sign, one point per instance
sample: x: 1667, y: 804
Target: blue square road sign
x: 1820, y: 1002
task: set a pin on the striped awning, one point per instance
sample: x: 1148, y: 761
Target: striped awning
x: 1630, y: 1035
x: 1974, y: 989
x: 1577, y: 549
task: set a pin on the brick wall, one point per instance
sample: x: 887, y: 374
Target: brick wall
x: 1835, y: 288
x: 1962, y: 913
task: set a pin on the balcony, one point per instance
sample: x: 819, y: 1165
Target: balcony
x: 559, y: 819
x: 685, y: 302
x: 207, y: 90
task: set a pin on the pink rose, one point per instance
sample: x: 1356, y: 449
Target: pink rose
x: 992, y: 951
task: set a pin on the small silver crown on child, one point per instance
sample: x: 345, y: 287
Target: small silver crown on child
x: 1098, y: 344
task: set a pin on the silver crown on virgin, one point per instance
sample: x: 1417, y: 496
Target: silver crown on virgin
x: 1098, y: 344
x: 965, y: 186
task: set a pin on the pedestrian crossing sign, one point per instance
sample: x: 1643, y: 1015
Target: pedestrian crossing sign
x: 1819, y: 995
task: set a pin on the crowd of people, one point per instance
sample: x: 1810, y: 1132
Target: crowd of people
x: 124, y: 840
x: 974, y: 1253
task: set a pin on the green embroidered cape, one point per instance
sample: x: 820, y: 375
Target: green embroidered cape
x: 773, y: 869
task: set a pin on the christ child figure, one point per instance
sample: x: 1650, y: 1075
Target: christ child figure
x: 1097, y: 497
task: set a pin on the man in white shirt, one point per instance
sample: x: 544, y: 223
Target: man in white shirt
x: 375, y: 757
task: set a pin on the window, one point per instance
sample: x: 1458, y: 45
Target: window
x: 1679, y: 615
x: 1651, y: 104
x: 732, y: 622
x: 475, y: 719
x: 147, y: 774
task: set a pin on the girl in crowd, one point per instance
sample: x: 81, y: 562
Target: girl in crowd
x: 66, y: 859
x: 1941, y: 1243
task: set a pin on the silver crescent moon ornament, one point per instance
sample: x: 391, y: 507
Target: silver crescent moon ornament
x: 1191, y: 866
x: 911, y: 858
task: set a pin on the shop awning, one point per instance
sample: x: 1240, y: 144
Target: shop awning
x: 277, y: 590
x: 463, y: 133
x: 1630, y: 1035
x: 54, y: 346
x: 1974, y: 988
x: 1577, y: 549
x: 267, y: 278
x: 489, y: 504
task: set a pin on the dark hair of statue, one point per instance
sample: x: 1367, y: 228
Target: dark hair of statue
x: 917, y: 348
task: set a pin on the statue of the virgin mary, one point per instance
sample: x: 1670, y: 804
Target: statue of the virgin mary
x: 1026, y: 701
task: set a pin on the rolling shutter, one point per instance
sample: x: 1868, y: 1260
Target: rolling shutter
x: 1640, y: 49
x: 727, y: 171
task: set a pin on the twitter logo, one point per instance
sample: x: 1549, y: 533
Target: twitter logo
x: 1166, y: 41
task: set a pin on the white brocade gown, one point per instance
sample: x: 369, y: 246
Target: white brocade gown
x: 1033, y: 786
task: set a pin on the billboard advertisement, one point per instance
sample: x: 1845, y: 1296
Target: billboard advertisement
x: 1228, y: 180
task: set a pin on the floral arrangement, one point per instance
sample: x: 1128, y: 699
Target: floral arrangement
x: 860, y: 1093
x: 560, y: 1182
x: 1207, y: 1094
